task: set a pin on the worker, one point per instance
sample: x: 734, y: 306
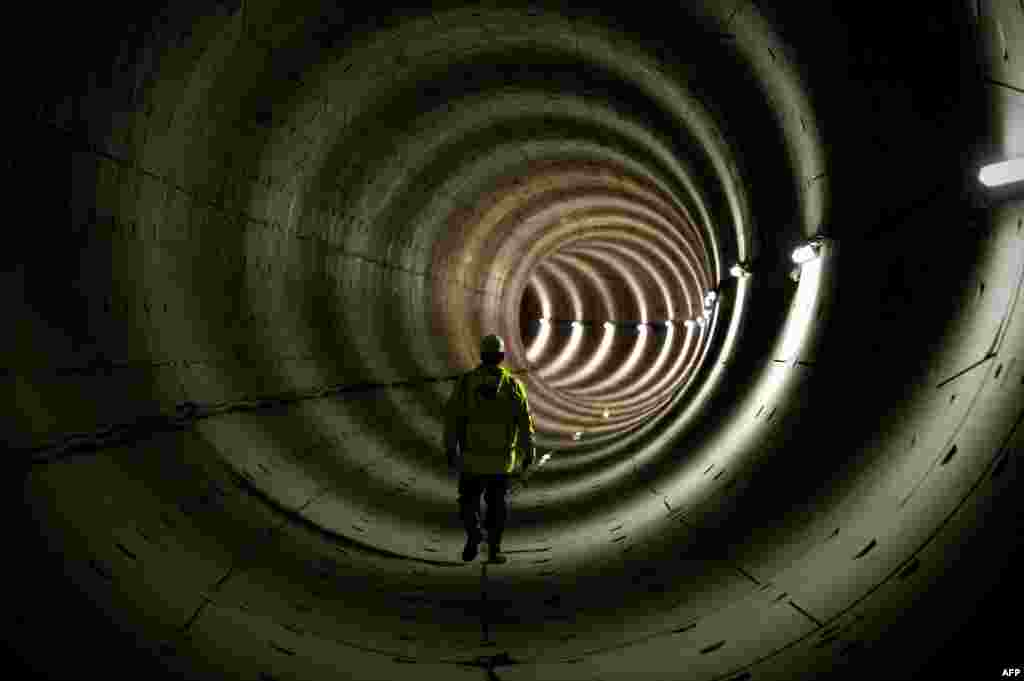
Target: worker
x: 489, y: 430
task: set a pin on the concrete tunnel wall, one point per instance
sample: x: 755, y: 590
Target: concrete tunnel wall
x: 281, y: 230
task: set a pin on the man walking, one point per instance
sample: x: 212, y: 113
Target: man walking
x: 488, y: 424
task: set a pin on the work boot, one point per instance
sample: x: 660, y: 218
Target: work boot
x: 472, y: 543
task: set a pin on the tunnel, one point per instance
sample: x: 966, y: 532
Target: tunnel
x: 764, y: 311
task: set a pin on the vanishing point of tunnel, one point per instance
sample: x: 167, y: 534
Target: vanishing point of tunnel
x: 764, y: 311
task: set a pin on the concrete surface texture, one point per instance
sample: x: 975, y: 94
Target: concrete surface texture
x: 261, y: 239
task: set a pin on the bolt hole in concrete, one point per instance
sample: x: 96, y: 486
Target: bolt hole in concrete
x: 867, y: 549
x: 910, y: 569
x: 712, y: 648
x: 998, y: 470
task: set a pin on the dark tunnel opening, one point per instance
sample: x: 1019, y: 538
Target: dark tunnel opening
x: 529, y: 313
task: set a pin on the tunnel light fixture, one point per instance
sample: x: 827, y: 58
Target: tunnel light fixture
x: 740, y: 270
x: 804, y: 254
x: 700, y: 322
x: 575, y: 324
x: 576, y: 436
x: 609, y: 325
x: 1004, y: 172
x: 808, y: 251
x: 689, y: 323
x: 709, y: 299
x: 607, y: 413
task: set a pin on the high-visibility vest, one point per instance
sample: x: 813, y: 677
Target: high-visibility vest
x: 491, y: 405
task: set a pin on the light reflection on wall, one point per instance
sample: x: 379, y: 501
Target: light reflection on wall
x: 567, y: 353
x: 598, y: 358
x: 799, y: 320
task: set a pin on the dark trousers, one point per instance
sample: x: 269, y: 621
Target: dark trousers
x: 494, y: 487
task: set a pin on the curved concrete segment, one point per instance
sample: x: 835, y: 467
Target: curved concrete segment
x: 284, y: 227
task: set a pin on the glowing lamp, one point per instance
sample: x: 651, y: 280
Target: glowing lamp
x: 1004, y: 172
x: 808, y: 251
x: 739, y: 271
